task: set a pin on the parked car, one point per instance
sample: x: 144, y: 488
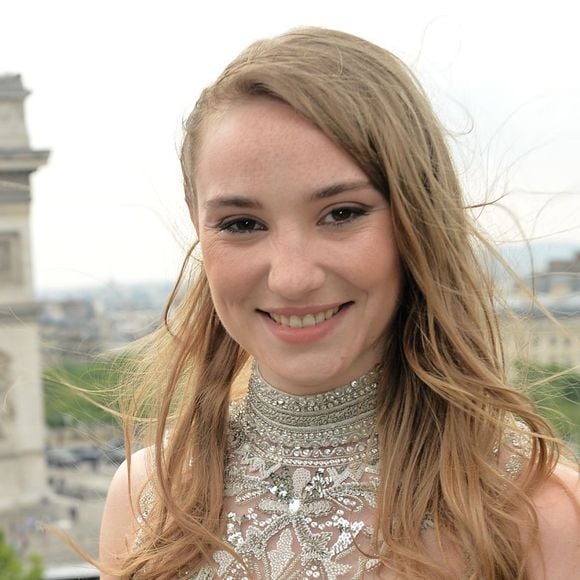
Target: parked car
x: 61, y: 457
x: 114, y: 451
x: 86, y: 454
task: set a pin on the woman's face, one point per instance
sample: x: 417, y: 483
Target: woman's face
x: 297, y: 246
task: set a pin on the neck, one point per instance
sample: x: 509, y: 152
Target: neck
x: 316, y: 378
x: 306, y: 429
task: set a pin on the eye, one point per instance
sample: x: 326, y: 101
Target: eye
x: 343, y: 215
x: 241, y: 226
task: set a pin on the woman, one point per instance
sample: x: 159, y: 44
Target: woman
x: 378, y: 436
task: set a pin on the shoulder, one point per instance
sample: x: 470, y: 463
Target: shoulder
x: 120, y: 520
x: 557, y: 504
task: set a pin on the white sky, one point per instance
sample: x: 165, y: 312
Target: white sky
x: 112, y: 81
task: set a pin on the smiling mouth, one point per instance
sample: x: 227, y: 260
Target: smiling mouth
x: 312, y: 319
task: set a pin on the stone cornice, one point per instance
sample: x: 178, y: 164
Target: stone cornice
x: 22, y: 159
x: 9, y: 453
x: 15, y: 313
x: 11, y: 88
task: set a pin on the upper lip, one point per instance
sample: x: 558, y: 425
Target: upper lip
x: 302, y: 310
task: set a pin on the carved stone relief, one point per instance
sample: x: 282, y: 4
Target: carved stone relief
x: 10, y: 258
x: 6, y: 405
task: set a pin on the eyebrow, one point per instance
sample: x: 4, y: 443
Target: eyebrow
x: 338, y: 188
x: 245, y: 202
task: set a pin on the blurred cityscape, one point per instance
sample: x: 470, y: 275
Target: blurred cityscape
x: 57, y: 454
x: 56, y: 458
x: 84, y: 323
x: 81, y: 452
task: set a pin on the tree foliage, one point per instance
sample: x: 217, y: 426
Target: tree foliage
x: 556, y: 391
x: 73, y: 392
x: 11, y: 568
x: 76, y: 392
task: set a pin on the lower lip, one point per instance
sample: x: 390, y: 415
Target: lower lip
x: 308, y: 333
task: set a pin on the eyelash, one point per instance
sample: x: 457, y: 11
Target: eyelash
x: 230, y: 225
x: 355, y: 212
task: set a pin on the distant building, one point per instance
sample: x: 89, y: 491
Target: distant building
x: 71, y: 330
x: 22, y: 464
x: 81, y: 325
x: 561, y: 278
x: 531, y: 334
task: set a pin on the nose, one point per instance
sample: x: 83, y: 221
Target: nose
x: 295, y: 270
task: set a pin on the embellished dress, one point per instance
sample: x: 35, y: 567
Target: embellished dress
x: 300, y: 485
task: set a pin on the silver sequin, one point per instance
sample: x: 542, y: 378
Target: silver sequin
x: 300, y: 484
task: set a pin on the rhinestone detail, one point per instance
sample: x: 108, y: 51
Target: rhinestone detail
x: 300, y: 484
x: 326, y: 429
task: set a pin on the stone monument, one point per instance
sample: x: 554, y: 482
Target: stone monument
x: 22, y: 463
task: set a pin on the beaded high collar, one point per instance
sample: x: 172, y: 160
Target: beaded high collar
x: 324, y: 429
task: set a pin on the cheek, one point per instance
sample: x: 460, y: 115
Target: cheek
x: 228, y: 275
x: 377, y: 267
x: 388, y: 280
x: 375, y: 262
x: 384, y: 293
x: 218, y: 259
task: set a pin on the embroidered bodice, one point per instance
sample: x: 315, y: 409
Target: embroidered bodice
x: 300, y: 484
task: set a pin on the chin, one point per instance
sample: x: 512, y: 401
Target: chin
x: 308, y: 374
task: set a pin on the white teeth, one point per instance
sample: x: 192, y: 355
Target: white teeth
x: 295, y: 322
x: 308, y: 320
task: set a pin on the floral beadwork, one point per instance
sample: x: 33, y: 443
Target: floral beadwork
x: 300, y: 484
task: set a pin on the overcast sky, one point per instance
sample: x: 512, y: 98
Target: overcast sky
x: 111, y: 86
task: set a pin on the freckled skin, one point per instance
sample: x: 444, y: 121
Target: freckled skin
x: 292, y: 250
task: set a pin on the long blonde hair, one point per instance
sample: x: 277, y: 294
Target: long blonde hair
x: 444, y: 399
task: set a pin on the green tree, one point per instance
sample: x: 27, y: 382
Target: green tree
x: 11, y: 568
x: 80, y: 392
x: 556, y: 391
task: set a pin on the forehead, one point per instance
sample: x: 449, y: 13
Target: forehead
x: 262, y: 140
x: 258, y: 119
